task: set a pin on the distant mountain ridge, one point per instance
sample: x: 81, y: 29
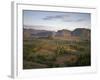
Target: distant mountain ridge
x: 77, y: 34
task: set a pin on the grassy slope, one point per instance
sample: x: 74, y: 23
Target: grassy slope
x: 48, y: 53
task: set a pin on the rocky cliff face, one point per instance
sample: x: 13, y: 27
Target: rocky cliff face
x: 63, y: 33
x: 83, y: 33
x: 77, y: 34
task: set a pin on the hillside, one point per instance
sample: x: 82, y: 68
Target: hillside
x: 50, y: 49
x: 77, y: 34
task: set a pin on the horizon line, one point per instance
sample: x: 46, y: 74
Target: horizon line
x: 50, y: 30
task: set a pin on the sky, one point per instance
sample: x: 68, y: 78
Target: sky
x: 50, y: 20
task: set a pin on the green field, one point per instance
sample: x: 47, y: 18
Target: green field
x: 51, y: 53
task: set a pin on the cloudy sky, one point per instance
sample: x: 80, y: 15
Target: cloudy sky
x: 48, y: 20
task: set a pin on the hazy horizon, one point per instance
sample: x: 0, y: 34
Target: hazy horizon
x: 30, y: 27
x: 54, y: 21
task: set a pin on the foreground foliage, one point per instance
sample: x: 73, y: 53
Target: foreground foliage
x: 49, y: 53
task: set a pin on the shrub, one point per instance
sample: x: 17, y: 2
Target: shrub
x: 84, y: 60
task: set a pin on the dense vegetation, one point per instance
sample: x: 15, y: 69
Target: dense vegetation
x: 50, y: 53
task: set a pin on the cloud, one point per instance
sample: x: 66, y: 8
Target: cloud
x: 73, y: 20
x: 65, y: 18
x: 55, y: 17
